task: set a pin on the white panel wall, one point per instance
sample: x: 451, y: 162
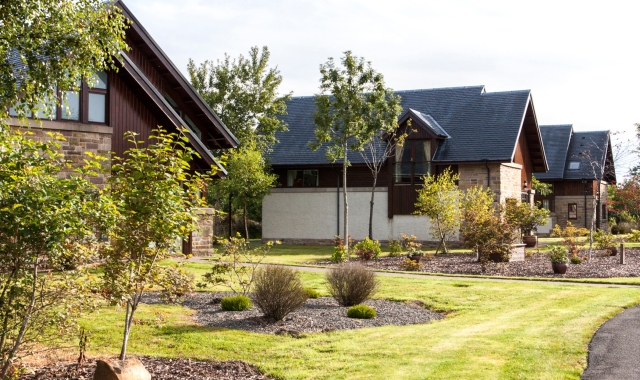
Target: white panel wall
x: 311, y: 214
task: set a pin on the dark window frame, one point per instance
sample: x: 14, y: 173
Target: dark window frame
x: 302, y: 180
x: 569, y: 211
x: 413, y: 178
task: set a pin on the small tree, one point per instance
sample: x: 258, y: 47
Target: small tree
x: 524, y: 216
x: 541, y: 188
x: 353, y: 106
x: 153, y: 195
x: 439, y: 199
x: 46, y: 224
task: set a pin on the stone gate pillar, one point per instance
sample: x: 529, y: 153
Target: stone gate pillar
x: 202, y: 238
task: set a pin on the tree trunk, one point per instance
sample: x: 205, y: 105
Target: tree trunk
x: 230, y: 217
x: 127, y: 328
x: 246, y: 227
x: 373, y: 193
x: 216, y: 221
x: 346, y: 204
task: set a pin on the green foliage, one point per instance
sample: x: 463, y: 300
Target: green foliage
x: 368, y: 249
x: 152, y: 197
x: 603, y: 239
x: 46, y: 221
x: 340, y: 253
x: 410, y: 265
x: 278, y: 291
x: 312, y: 293
x: 353, y: 106
x: 541, y: 188
x: 557, y: 254
x: 395, y: 248
x: 238, y: 265
x: 58, y: 44
x: 569, y: 235
x: 576, y: 260
x: 244, y: 94
x: 361, y: 312
x: 524, y: 216
x: 483, y: 228
x: 236, y: 303
x: 634, y: 237
x: 439, y: 199
x: 411, y: 245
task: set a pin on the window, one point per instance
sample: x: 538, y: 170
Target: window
x: 97, y: 109
x: 574, y: 165
x: 604, y: 211
x: 193, y: 127
x: 302, y: 178
x: 413, y: 161
x: 573, y: 211
x: 545, y: 204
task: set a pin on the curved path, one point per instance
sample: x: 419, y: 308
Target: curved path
x: 614, y: 351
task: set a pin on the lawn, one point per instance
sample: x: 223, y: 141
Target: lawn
x: 493, y: 330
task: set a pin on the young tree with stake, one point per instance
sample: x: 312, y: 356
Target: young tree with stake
x: 352, y: 107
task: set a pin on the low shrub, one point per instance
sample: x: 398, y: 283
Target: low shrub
x: 339, y: 251
x: 634, y: 237
x: 576, y: 260
x: 557, y: 254
x: 312, y: 293
x: 617, y: 230
x: 278, y: 291
x: 410, y: 265
x: 395, y: 248
x: 351, y: 283
x: 361, y: 312
x: 368, y: 249
x: 603, y: 239
x: 236, y: 303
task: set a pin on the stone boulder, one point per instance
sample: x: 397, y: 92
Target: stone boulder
x: 130, y: 369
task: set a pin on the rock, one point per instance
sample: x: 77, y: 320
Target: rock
x: 130, y: 369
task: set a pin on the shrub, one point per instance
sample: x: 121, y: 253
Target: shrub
x: 603, y: 239
x: 557, y: 254
x: 361, y: 312
x: 340, y: 253
x: 576, y: 260
x: 278, y: 291
x: 351, y: 283
x: 236, y: 303
x: 411, y: 245
x: 368, y: 249
x: 410, y: 265
x: 312, y: 293
x: 635, y: 236
x: 617, y: 230
x: 395, y: 248
x: 569, y: 236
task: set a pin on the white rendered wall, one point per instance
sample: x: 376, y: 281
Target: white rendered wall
x: 311, y: 214
x: 546, y: 228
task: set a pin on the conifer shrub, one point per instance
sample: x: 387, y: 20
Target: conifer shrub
x: 236, y: 303
x: 351, y: 283
x: 278, y: 291
x: 361, y: 312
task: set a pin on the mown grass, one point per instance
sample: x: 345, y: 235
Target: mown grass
x: 494, y: 330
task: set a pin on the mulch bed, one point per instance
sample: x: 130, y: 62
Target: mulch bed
x: 316, y: 315
x: 160, y: 369
x: 600, y: 266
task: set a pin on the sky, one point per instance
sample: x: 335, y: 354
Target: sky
x: 580, y: 59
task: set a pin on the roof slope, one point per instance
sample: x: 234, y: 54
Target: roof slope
x: 555, y: 139
x: 481, y: 125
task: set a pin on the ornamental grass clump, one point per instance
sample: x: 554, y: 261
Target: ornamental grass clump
x: 361, y: 312
x: 351, y: 283
x: 278, y: 291
x: 236, y: 303
x: 312, y: 293
x: 368, y: 249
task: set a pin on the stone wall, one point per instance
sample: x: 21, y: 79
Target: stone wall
x: 202, y: 238
x: 562, y: 210
x: 505, y: 179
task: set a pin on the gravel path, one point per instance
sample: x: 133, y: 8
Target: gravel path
x: 615, y: 348
x: 160, y: 369
x: 316, y: 315
x: 600, y: 266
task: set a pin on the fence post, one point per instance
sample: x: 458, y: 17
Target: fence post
x: 623, y: 260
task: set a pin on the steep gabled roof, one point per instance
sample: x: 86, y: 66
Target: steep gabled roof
x: 556, y: 140
x: 425, y: 121
x: 480, y: 125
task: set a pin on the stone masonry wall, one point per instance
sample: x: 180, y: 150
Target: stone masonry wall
x: 562, y: 210
x: 202, y: 238
x: 505, y: 179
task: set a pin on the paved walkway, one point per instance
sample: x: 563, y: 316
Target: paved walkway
x: 614, y: 351
x: 198, y: 259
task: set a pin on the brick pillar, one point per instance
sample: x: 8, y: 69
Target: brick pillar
x: 202, y: 238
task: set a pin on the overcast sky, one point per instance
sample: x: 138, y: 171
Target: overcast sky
x: 580, y: 58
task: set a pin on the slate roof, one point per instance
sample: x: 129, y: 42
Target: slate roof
x: 481, y: 125
x: 555, y: 139
x: 563, y: 146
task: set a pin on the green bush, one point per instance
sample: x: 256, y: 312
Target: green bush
x: 368, y: 249
x: 361, y: 312
x: 603, y: 239
x: 236, y: 303
x: 339, y: 252
x: 634, y: 237
x: 557, y: 254
x: 576, y: 260
x: 395, y: 248
x: 312, y: 293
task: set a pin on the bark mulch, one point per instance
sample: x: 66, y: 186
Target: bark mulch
x: 160, y: 369
x: 601, y: 265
